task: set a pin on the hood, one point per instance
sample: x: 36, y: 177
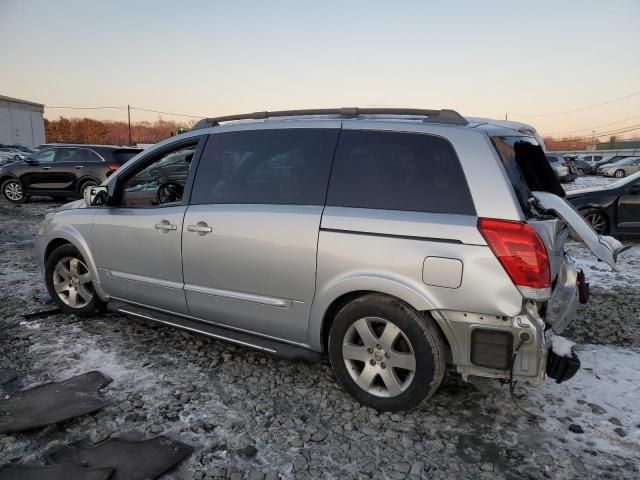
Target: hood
x: 585, y: 191
x: 608, y: 165
x: 71, y: 205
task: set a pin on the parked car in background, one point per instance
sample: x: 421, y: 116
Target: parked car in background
x: 394, y: 242
x: 564, y: 169
x: 13, y: 153
x: 63, y: 170
x: 22, y: 148
x: 595, y: 161
x: 621, y: 168
x: 613, y: 209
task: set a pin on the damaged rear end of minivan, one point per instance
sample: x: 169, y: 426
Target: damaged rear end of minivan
x: 532, y: 253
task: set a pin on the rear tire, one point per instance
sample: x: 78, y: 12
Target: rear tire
x: 385, y: 354
x: 69, y: 282
x: 619, y: 173
x: 598, y: 220
x: 12, y: 191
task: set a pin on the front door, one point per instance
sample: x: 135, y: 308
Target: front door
x: 38, y: 173
x: 629, y: 209
x: 251, y: 231
x: 137, y: 241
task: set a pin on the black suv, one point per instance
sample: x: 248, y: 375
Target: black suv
x: 61, y: 170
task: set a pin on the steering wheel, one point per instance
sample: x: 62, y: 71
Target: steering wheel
x: 169, y: 192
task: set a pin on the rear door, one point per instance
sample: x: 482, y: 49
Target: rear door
x: 250, y: 235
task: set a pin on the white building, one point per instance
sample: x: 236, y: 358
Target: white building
x: 21, y: 122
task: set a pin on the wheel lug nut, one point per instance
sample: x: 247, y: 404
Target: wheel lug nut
x: 383, y: 365
x: 378, y: 346
x: 370, y: 350
x: 387, y: 355
x: 373, y: 362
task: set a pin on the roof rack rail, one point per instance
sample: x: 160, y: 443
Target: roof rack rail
x: 434, y: 116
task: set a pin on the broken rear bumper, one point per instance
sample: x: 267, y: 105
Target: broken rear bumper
x: 570, y: 290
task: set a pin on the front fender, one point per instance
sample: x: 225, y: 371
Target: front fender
x: 74, y: 227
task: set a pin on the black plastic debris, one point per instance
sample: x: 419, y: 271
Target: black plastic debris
x: 131, y: 460
x: 41, y: 314
x: 7, y: 375
x: 53, y: 402
x: 64, y: 471
x: 562, y: 368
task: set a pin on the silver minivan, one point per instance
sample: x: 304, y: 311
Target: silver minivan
x: 395, y: 242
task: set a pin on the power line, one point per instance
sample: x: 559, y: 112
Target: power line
x: 168, y: 113
x: 631, y: 128
x: 577, y: 109
x: 598, y: 126
x: 89, y: 108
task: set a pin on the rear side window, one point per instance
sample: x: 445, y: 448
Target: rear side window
x: 123, y: 156
x: 398, y: 171
x: 282, y: 167
x: 91, y: 156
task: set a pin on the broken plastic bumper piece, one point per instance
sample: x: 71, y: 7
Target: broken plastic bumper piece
x: 562, y: 368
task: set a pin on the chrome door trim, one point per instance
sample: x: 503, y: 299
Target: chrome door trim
x: 247, y: 297
x: 141, y: 278
x: 209, y: 322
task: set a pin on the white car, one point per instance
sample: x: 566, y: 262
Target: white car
x: 12, y: 153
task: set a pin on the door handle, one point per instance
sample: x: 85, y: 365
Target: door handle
x: 201, y: 228
x: 78, y: 167
x: 46, y: 168
x: 164, y: 226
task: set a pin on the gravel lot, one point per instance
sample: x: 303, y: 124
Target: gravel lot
x: 252, y: 416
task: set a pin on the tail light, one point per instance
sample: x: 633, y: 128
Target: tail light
x: 112, y: 167
x: 522, y: 254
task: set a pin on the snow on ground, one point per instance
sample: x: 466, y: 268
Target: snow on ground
x: 589, y: 181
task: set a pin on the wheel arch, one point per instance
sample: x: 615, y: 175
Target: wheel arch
x: 343, y: 300
x: 8, y: 176
x: 67, y: 235
x: 87, y: 178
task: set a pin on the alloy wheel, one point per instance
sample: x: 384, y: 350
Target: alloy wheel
x: 72, y: 282
x: 13, y: 191
x: 619, y: 173
x: 379, y: 357
x: 598, y: 222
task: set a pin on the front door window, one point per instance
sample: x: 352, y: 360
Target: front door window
x: 161, y: 183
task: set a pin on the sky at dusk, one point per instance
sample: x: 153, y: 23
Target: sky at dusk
x: 213, y: 58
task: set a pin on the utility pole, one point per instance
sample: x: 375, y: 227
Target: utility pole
x: 506, y: 116
x: 129, y: 118
x: 593, y: 139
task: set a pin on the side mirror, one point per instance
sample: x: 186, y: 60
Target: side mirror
x: 96, y: 196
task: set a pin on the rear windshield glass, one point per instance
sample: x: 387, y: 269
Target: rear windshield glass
x: 527, y: 167
x: 122, y: 156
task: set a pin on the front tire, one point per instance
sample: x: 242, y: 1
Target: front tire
x: 385, y: 354
x: 12, y: 191
x: 69, y: 282
x: 85, y: 185
x: 619, y: 173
